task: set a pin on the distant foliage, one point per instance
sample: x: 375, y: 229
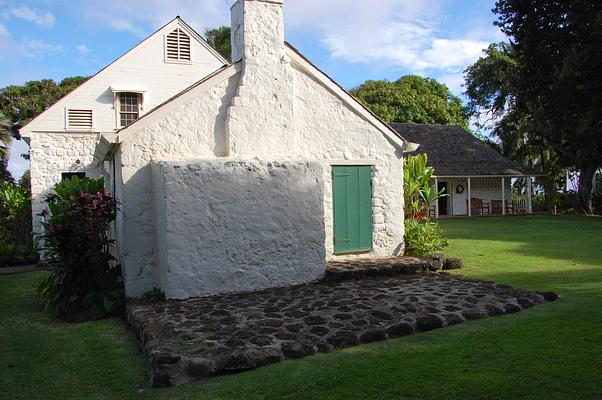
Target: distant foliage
x: 412, y: 99
x: 422, y: 235
x: 21, y: 103
x: 83, y: 283
x: 219, y: 39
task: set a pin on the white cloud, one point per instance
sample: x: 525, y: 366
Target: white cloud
x: 34, y: 48
x: 413, y: 36
x: 82, y: 49
x: 4, y: 36
x: 404, y: 34
x: 29, y: 14
x: 141, y: 16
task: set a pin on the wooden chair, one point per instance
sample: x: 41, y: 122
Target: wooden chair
x: 496, y: 207
x: 477, y: 207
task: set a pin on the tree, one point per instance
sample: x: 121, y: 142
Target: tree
x: 554, y: 85
x: 219, y: 39
x: 23, y: 103
x: 412, y: 99
x: 5, y: 138
x: 489, y: 87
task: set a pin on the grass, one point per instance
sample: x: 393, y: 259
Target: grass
x: 553, y: 351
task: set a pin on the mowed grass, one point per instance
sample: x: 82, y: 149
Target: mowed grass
x: 552, y: 351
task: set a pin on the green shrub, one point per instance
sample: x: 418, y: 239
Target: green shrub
x: 84, y: 282
x: 15, y: 214
x: 422, y: 236
x: 14, y: 254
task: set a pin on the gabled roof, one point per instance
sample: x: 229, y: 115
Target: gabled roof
x: 61, y: 102
x: 453, y: 151
x: 203, y: 85
x: 311, y: 69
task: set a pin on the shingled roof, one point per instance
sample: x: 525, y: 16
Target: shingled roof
x: 454, y: 152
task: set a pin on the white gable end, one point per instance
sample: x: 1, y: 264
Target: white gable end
x: 147, y: 69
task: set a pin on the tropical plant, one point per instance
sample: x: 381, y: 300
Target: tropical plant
x: 84, y: 282
x: 5, y: 135
x: 422, y: 235
x: 15, y: 214
x: 5, y: 138
x: 418, y: 190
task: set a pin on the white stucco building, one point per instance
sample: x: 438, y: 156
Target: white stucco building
x: 232, y: 177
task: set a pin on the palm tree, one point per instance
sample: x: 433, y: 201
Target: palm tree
x: 5, y: 136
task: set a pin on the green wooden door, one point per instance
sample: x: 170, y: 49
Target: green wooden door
x: 352, y: 208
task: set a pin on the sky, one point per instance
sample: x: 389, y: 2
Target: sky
x: 351, y: 40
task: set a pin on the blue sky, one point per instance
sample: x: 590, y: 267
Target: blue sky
x: 351, y: 40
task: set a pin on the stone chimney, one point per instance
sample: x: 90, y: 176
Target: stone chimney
x: 260, y: 118
x: 257, y: 31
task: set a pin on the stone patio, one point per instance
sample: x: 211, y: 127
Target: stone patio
x: 191, y: 339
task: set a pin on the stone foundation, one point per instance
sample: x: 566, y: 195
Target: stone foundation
x: 186, y: 340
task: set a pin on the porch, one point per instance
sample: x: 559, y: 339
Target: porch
x: 483, y: 196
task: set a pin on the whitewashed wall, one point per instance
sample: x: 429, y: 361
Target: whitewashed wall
x: 238, y: 225
x: 54, y: 148
x: 268, y: 107
x: 53, y: 154
x: 193, y: 127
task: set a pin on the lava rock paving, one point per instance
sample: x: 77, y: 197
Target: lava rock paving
x: 195, y: 338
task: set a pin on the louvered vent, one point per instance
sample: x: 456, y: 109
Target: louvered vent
x: 177, y: 45
x: 79, y: 119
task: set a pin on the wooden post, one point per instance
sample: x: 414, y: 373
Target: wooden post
x: 437, y: 201
x: 503, y: 197
x: 468, y: 190
x: 529, y: 204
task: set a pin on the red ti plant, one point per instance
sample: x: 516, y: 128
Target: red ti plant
x: 85, y: 282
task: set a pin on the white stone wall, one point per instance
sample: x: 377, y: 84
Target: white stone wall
x: 238, y: 225
x: 328, y: 129
x: 51, y: 155
x: 192, y: 128
x: 54, y: 148
x: 281, y: 111
x: 270, y: 108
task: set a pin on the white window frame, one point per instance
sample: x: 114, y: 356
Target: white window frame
x: 79, y: 129
x: 118, y: 106
x: 171, y: 60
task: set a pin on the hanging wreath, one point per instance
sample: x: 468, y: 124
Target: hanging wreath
x: 459, y: 189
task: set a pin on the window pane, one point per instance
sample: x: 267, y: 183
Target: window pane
x: 129, y: 106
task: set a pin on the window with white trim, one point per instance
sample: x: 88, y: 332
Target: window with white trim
x: 177, y: 46
x: 129, y: 107
x: 78, y: 118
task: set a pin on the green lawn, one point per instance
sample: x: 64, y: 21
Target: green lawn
x: 553, y: 351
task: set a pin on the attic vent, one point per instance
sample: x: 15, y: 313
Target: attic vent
x: 177, y: 46
x: 79, y: 119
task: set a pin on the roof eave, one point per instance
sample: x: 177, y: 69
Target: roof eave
x: 351, y: 100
